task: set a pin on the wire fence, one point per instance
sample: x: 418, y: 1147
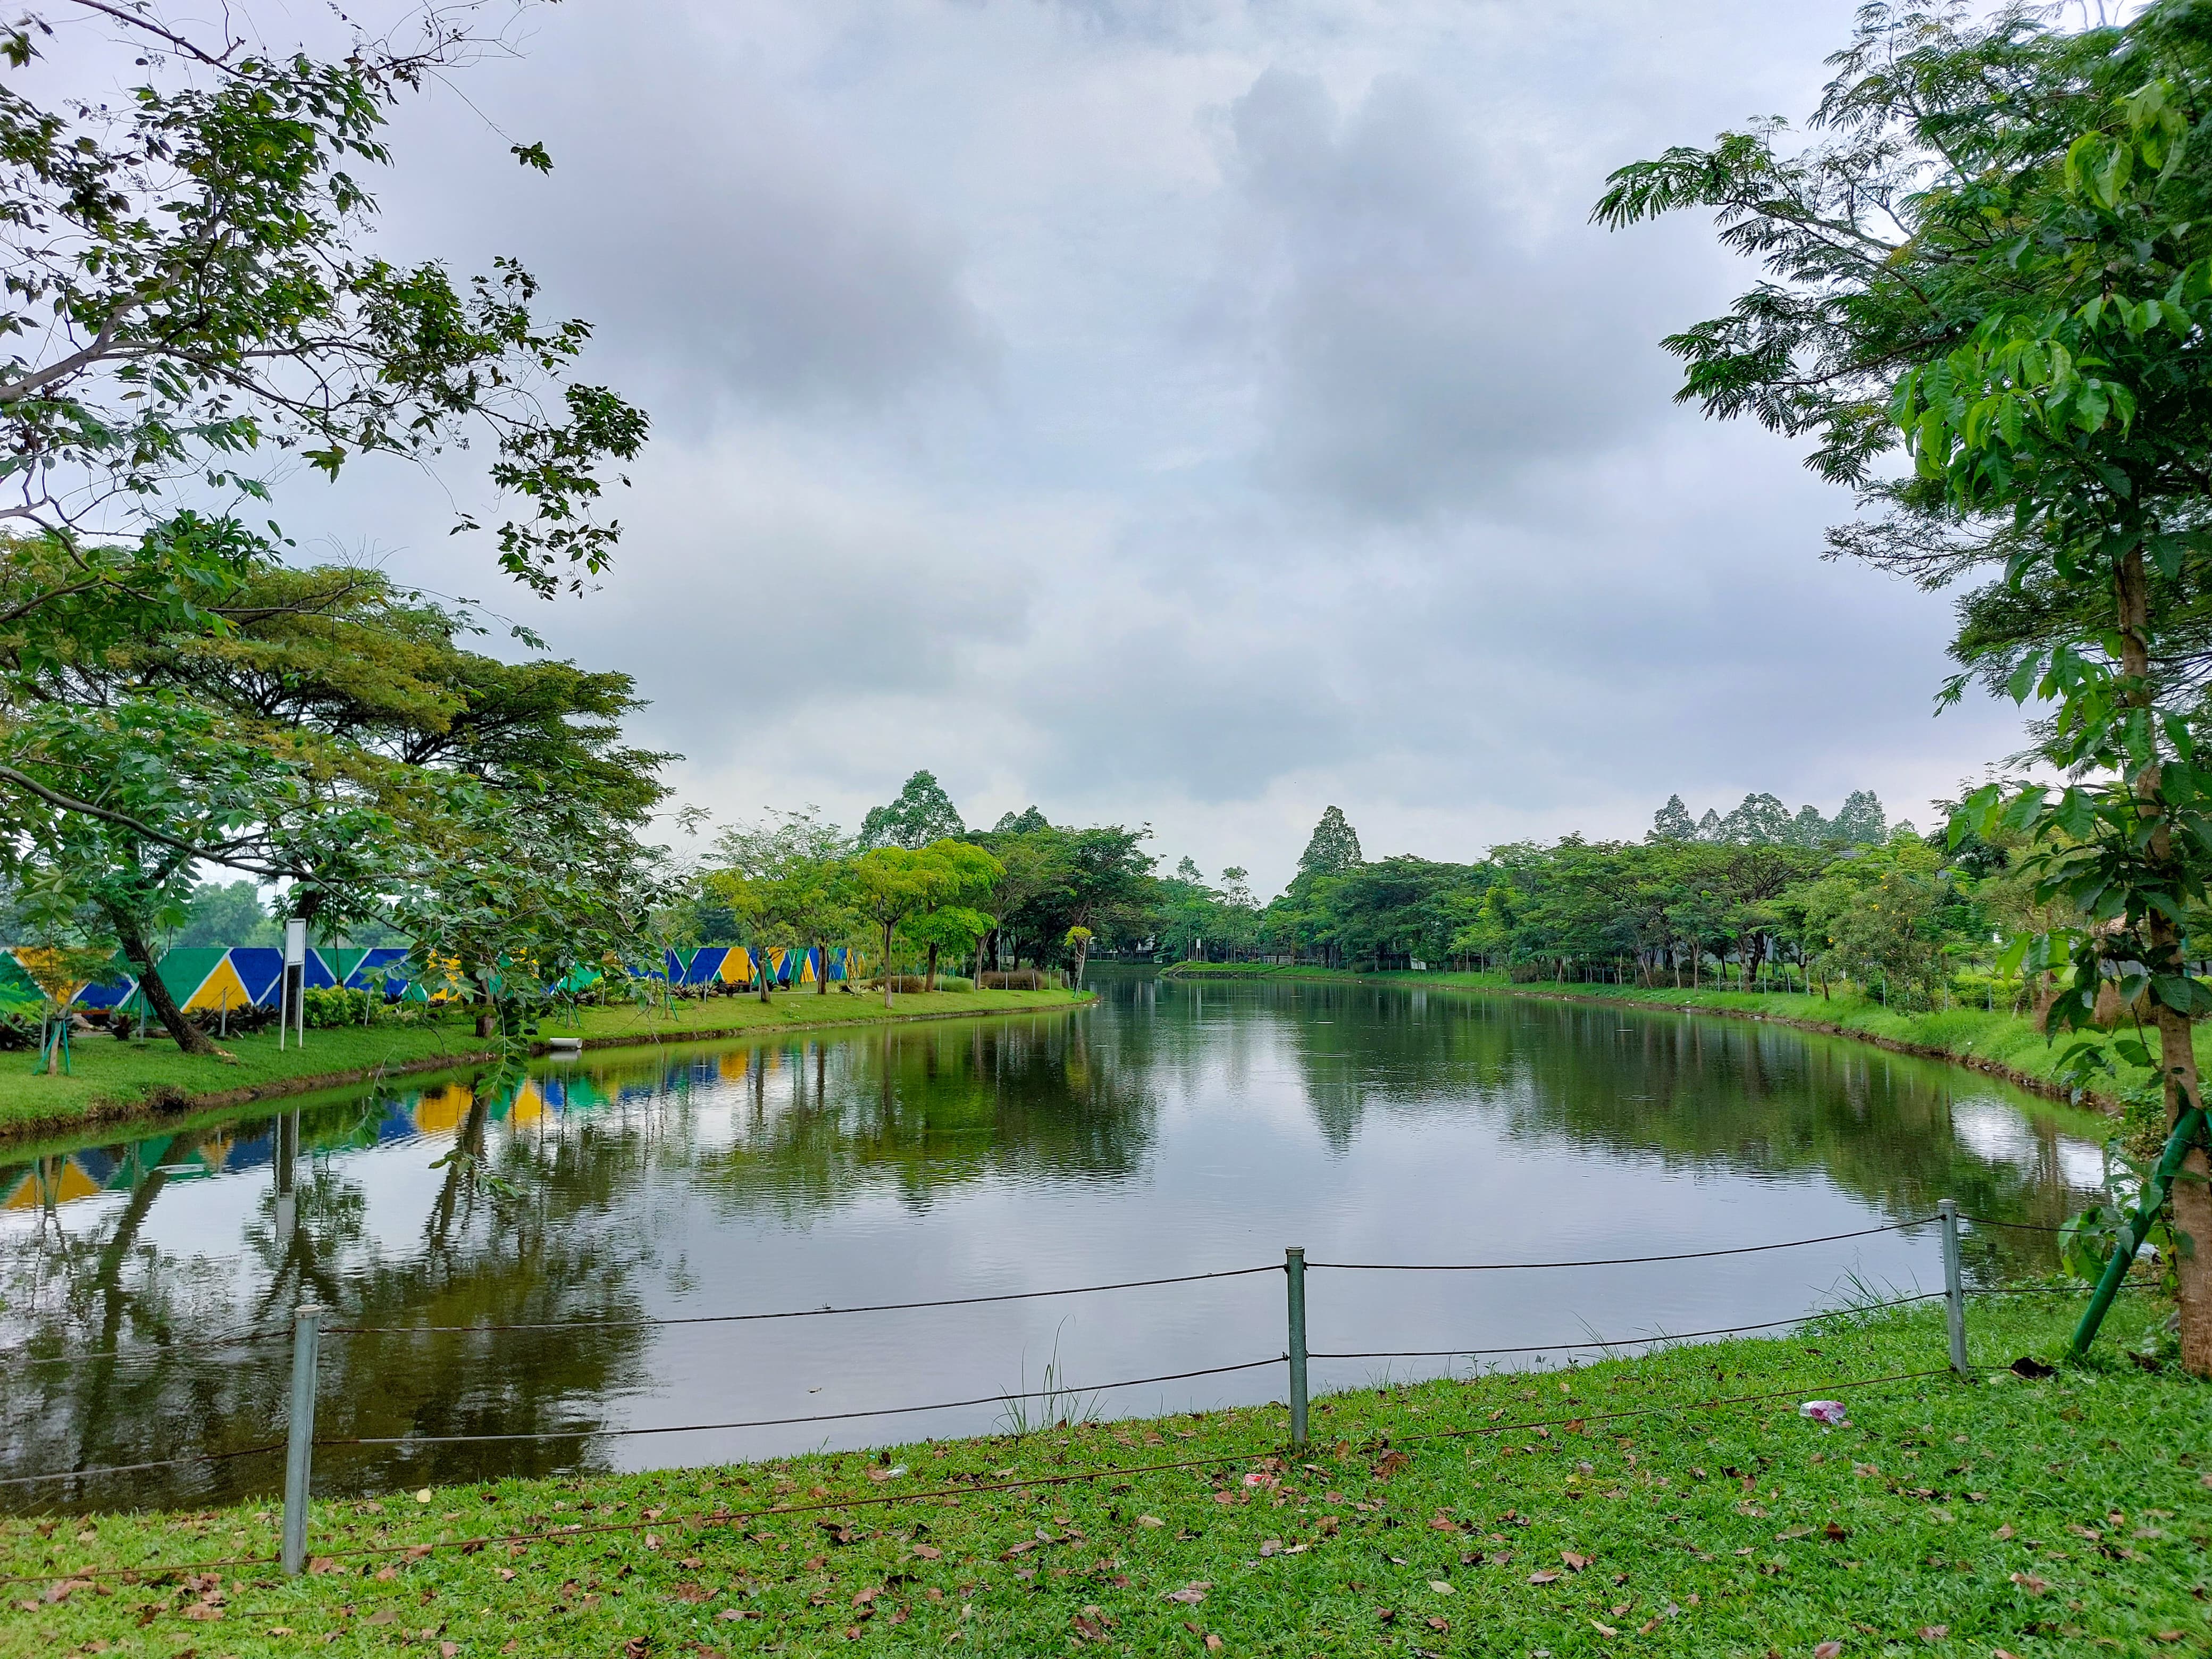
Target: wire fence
x: 579, y: 1531
x: 302, y: 1445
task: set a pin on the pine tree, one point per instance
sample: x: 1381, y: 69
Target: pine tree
x: 1808, y: 828
x: 1861, y: 820
x: 1759, y: 821
x: 1672, y: 822
x: 1335, y: 846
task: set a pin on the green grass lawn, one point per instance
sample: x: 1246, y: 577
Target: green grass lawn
x: 114, y: 1078
x: 1611, y: 1509
x: 1967, y: 1034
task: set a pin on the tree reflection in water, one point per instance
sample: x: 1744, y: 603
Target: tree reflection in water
x: 540, y: 1214
x: 1165, y: 1131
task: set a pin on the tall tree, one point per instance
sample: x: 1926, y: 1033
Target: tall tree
x: 193, y: 300
x: 1672, y: 822
x: 2000, y: 263
x: 1333, y: 848
x: 922, y: 814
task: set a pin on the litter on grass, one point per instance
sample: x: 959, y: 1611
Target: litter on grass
x: 1830, y: 1411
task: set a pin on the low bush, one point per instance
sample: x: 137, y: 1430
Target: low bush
x: 322, y: 1010
x: 1023, y: 979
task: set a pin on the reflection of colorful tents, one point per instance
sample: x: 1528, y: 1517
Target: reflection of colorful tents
x: 49, y: 1182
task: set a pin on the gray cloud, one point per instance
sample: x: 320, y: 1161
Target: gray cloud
x: 733, y: 249
x: 1419, y: 343
x: 1197, y: 414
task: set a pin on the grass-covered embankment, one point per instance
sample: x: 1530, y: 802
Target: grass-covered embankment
x: 1511, y: 1515
x: 2005, y: 1044
x: 113, y: 1080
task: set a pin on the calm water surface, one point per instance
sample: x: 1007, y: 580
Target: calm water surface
x: 1171, y: 1129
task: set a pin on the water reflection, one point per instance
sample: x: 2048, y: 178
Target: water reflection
x: 1172, y: 1129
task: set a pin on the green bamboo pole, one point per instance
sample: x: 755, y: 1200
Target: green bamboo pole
x: 2184, y: 1135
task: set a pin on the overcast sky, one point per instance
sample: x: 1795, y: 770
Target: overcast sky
x: 1189, y: 411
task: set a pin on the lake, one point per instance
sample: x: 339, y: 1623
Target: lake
x: 1174, y: 1128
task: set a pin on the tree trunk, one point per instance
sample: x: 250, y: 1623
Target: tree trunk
x: 761, y: 970
x: 132, y: 938
x: 1081, y: 956
x: 821, y: 967
x: 485, y: 1016
x: 2192, y: 1198
x: 929, y: 978
x: 887, y: 964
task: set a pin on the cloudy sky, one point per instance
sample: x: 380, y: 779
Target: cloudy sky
x: 1189, y: 411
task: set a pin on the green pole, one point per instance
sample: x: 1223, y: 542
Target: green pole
x: 2184, y: 1135
x: 1294, y: 1268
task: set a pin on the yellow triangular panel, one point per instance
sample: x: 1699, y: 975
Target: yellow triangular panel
x: 221, y: 989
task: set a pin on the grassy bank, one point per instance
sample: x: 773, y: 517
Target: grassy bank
x: 1511, y: 1515
x: 116, y: 1079
x: 1996, y: 1042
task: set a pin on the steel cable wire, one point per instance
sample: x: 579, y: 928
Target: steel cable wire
x: 151, y: 1351
x: 867, y: 1500
x: 2010, y: 1226
x: 791, y: 1313
x: 1631, y: 1342
x: 998, y: 1398
x: 140, y: 1468
x: 1609, y: 1261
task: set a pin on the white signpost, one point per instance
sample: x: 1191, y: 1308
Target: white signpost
x: 291, y: 1003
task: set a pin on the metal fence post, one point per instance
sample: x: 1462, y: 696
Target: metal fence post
x: 1294, y: 1270
x: 300, y: 1445
x: 1954, y: 1294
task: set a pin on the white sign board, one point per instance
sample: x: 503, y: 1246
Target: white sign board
x: 295, y: 942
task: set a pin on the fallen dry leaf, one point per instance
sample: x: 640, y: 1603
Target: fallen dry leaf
x: 1149, y: 1521
x: 1441, y: 1588
x: 1390, y: 1464
x: 1828, y: 1650
x: 1547, y: 1575
x: 2031, y: 1584
x: 1214, y: 1643
x: 1603, y: 1630
x: 1933, y: 1633
x: 1190, y: 1595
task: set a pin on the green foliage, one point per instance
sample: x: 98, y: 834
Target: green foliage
x: 922, y: 814
x: 1876, y: 916
x: 190, y: 294
x: 327, y: 1008
x: 193, y: 296
x: 1333, y: 847
x: 228, y: 914
x: 1999, y: 265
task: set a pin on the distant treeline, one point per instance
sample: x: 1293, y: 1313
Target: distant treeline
x: 1729, y: 898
